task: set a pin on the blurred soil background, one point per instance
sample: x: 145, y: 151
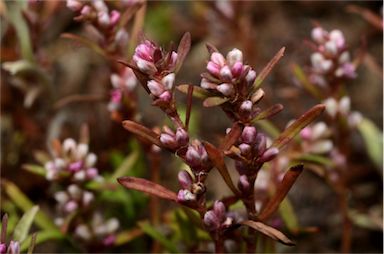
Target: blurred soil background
x: 260, y: 29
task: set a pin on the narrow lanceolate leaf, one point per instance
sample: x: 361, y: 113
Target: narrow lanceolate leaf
x: 293, y: 129
x: 142, y: 131
x: 269, y: 112
x: 302, y: 78
x: 282, y: 191
x: 232, y: 136
x: 268, y: 231
x: 41, y: 237
x: 267, y: 69
x: 25, y: 204
x: 24, y: 224
x: 198, y: 92
x: 214, y: 101
x: 125, y: 166
x: 373, y: 139
x: 189, y: 106
x: 148, y: 187
x: 217, y: 158
x: 127, y: 236
x: 182, y: 50
x: 35, y: 169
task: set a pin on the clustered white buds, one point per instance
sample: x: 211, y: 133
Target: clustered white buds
x: 316, y: 138
x: 342, y: 107
x: 74, y: 161
x: 122, y: 83
x: 98, y: 229
x: 225, y: 74
x: 196, y: 156
x: 331, y: 60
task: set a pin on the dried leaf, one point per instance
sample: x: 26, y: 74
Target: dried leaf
x: 148, y: 187
x: 268, y: 231
x: 217, y: 157
x: 198, y: 92
x: 232, y: 136
x: 302, y: 78
x: 143, y: 132
x: 269, y: 112
x: 292, y: 130
x: 257, y: 95
x: 182, y: 50
x: 267, y: 69
x: 214, y: 101
x: 289, y: 179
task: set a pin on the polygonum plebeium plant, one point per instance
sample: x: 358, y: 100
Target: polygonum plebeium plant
x: 232, y: 85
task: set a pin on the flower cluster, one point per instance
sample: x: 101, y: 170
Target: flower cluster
x: 72, y: 160
x: 316, y: 138
x: 342, y: 108
x: 228, y: 76
x: 218, y: 219
x: 331, y: 60
x: 12, y: 248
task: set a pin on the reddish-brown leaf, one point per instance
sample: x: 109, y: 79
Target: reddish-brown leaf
x: 232, y: 136
x: 214, y: 101
x: 268, y: 231
x: 289, y: 179
x: 142, y: 77
x: 142, y: 131
x: 217, y: 158
x: 182, y: 50
x: 293, y: 129
x: 269, y: 112
x: 148, y: 187
x: 189, y: 106
x: 267, y: 69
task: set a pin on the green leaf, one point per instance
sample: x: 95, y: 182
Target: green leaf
x: 25, y: 223
x: 288, y: 215
x: 127, y: 236
x: 289, y: 133
x: 214, y: 101
x: 269, y: 128
x: 158, y: 236
x: 302, y: 78
x: 373, y: 139
x: 198, y: 92
x: 186, y: 228
x: 314, y: 158
x: 19, y: 67
x: 125, y: 166
x: 25, y: 204
x: 269, y: 112
x: 35, y: 169
x: 41, y: 237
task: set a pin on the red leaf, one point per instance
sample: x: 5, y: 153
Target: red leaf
x: 268, y: 231
x: 148, y: 187
x: 214, y: 101
x: 217, y: 158
x: 232, y: 136
x: 289, y: 179
x: 292, y: 130
x: 182, y: 50
x: 143, y: 132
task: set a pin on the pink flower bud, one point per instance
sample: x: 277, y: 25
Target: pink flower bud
x: 116, y: 96
x: 218, y: 59
x: 168, y: 140
x: 213, y: 68
x: 338, y: 37
x: 103, y: 19
x: 246, y: 107
x: 331, y: 106
x: 185, y: 179
x: 249, y: 134
x: 122, y: 38
x: 237, y: 69
x: 3, y: 248
x: 70, y: 206
x: 354, y: 119
x: 225, y: 73
x: 145, y: 66
x: 75, y: 166
x: 182, y: 137
x: 88, y: 197
x: 69, y: 145
x: 225, y: 89
x: 331, y: 48
x: 349, y: 70
x: 86, y: 11
x: 155, y: 87
x: 109, y: 240
x: 319, y: 130
x: 14, y: 247
x: 234, y: 56
x: 74, y: 5
x: 306, y: 133
x: 211, y: 221
x: 219, y: 209
x: 92, y: 173
x: 168, y: 81
x: 319, y: 35
x: 345, y: 105
x: 185, y: 196
x: 261, y: 143
x: 322, y: 146
x: 166, y: 96
x: 344, y: 57
x: 269, y: 154
x: 250, y: 77
x: 115, y: 17
x: 245, y: 149
x: 100, y: 6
